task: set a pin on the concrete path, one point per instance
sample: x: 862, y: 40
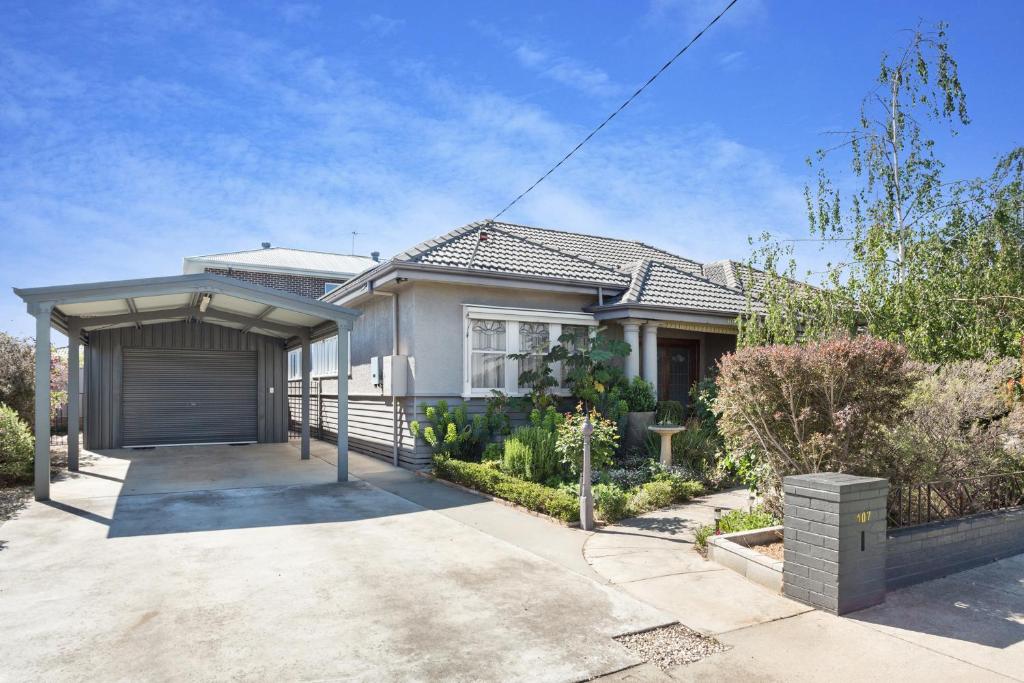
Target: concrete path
x: 966, y: 627
x: 246, y: 563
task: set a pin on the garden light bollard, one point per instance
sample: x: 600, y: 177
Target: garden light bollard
x: 586, y: 499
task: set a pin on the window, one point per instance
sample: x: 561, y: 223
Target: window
x: 493, y: 333
x: 487, y: 354
x: 324, y: 353
x: 580, y: 340
x: 331, y: 286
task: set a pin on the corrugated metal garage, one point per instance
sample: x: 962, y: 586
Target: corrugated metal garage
x: 184, y: 382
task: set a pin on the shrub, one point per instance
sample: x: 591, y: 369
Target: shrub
x: 493, y: 452
x: 737, y: 520
x: 626, y: 479
x: 639, y: 396
x: 603, y: 441
x: 486, y: 478
x: 823, y: 406
x: 17, y: 375
x: 684, y: 487
x: 610, y: 502
x: 16, y: 449
x: 959, y: 423
x: 516, y: 459
x: 453, y: 433
x: 670, y: 412
x: 650, y: 496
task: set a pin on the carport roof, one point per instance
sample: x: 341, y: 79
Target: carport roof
x: 202, y: 296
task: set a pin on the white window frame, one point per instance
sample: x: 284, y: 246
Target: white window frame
x: 512, y: 317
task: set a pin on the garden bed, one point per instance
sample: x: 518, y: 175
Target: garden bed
x: 755, y: 554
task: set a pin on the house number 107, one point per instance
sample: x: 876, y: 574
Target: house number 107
x: 864, y: 517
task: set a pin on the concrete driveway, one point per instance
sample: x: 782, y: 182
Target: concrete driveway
x: 246, y: 563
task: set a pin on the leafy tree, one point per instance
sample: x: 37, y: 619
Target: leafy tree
x: 931, y: 263
x: 17, y: 375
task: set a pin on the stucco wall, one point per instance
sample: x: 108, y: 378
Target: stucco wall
x: 436, y: 336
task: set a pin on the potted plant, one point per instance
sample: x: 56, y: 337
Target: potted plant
x: 642, y: 406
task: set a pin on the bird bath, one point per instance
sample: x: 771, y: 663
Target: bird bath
x: 666, y: 432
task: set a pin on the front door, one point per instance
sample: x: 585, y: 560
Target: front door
x: 677, y: 369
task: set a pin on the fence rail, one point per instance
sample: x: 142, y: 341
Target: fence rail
x: 935, y: 501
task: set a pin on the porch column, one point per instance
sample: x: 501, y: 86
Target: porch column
x: 307, y: 366
x: 74, y: 406
x: 651, y: 355
x: 342, y: 402
x: 42, y: 461
x: 631, y: 333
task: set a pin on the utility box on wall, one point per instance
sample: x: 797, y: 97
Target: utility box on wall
x: 390, y: 374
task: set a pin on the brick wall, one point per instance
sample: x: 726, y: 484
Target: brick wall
x: 303, y: 285
x: 921, y: 553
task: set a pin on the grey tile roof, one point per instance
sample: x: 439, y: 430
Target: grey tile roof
x: 647, y: 276
x: 734, y: 275
x: 659, y: 284
x: 495, y: 249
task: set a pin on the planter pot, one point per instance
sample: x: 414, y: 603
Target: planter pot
x: 636, y: 429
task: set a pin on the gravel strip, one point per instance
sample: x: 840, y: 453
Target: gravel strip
x: 12, y: 500
x: 670, y: 646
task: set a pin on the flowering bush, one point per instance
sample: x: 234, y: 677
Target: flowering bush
x: 822, y: 406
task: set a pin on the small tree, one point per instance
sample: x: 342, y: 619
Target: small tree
x: 17, y: 375
x: 822, y: 406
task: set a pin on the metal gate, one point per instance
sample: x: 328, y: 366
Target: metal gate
x: 182, y: 396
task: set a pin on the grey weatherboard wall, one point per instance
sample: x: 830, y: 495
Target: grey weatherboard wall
x: 104, y: 374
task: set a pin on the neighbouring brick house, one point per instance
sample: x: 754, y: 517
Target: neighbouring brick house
x: 298, y: 271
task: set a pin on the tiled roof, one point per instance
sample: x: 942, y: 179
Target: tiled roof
x: 608, y: 250
x: 734, y: 275
x: 647, y: 275
x: 493, y: 248
x: 658, y: 284
x: 291, y: 259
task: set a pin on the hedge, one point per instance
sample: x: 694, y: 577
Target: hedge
x: 486, y: 478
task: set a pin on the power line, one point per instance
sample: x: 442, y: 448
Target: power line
x: 621, y: 107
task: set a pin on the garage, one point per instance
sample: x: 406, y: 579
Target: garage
x: 181, y: 360
x: 183, y: 396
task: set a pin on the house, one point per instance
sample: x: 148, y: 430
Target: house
x: 299, y: 271
x: 215, y: 355
x: 438, y: 321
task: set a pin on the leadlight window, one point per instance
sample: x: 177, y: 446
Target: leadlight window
x: 488, y: 349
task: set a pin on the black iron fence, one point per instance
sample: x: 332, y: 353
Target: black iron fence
x: 914, y: 504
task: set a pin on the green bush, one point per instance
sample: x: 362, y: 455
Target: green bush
x: 493, y: 452
x: 16, y: 449
x: 488, y: 479
x: 603, y: 441
x: 610, y: 502
x: 670, y: 412
x: 737, y: 520
x: 453, y: 433
x: 640, y: 397
x: 683, y: 489
x: 516, y: 459
x: 650, y: 496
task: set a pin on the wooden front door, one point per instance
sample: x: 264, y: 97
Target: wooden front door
x: 677, y: 369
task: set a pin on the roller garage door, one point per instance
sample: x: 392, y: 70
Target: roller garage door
x: 181, y: 396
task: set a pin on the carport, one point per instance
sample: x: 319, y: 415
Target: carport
x: 186, y: 359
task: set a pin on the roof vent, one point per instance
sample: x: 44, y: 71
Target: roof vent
x: 266, y: 245
x: 375, y: 255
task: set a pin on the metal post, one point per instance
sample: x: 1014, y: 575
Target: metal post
x: 42, y: 462
x: 74, y: 398
x: 306, y: 369
x: 586, y: 498
x: 342, y: 403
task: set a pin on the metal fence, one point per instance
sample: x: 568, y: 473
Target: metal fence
x: 323, y: 409
x: 59, y: 426
x: 935, y: 501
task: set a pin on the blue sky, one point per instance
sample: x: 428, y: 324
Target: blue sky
x: 133, y: 134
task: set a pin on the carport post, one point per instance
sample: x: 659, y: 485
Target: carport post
x: 307, y: 364
x: 42, y: 462
x: 342, y: 401
x: 74, y: 407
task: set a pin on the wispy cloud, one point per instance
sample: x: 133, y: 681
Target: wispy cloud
x: 381, y: 25
x: 107, y: 178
